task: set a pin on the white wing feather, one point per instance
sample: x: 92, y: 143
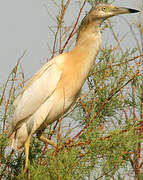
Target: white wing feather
x: 37, y: 90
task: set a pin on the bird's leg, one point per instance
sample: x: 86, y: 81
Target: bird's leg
x: 27, y: 145
x: 45, y: 140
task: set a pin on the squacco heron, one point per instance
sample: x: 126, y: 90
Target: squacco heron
x: 56, y: 86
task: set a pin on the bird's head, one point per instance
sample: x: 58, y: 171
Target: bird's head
x: 99, y: 12
x: 102, y: 11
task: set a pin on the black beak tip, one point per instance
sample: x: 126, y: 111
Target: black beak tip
x: 133, y: 11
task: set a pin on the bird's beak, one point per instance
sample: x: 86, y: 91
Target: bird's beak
x: 122, y: 10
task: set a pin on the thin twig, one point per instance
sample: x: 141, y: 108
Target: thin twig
x: 11, y: 88
x: 103, y: 105
x: 71, y: 34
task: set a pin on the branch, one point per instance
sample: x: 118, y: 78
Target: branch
x: 72, y: 32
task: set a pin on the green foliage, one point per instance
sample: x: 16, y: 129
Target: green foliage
x: 3, y: 140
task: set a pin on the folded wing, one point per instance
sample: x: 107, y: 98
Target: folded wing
x: 36, y: 91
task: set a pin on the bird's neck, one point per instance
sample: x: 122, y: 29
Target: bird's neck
x: 89, y: 39
x: 83, y: 55
x: 88, y: 42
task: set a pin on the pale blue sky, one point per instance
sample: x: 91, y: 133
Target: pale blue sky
x: 24, y: 26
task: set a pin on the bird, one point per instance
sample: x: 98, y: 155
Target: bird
x: 56, y: 86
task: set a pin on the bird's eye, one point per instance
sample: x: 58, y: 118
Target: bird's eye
x: 104, y: 9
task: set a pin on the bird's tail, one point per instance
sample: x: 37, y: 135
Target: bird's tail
x: 16, y: 141
x: 10, y: 135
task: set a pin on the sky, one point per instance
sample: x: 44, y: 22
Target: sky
x: 24, y: 25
